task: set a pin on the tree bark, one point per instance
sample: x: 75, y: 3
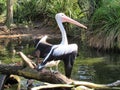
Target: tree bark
x: 44, y: 75
x: 9, y: 19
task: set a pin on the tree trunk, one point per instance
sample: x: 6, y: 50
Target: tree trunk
x: 9, y: 19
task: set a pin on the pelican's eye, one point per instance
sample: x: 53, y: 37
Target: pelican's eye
x: 62, y: 15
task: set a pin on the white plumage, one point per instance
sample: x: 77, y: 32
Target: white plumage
x: 63, y: 49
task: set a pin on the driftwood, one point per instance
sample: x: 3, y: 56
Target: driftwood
x: 57, y: 79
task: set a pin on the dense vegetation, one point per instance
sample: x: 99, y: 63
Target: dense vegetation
x: 101, y: 17
x: 2, y: 9
x: 105, y: 25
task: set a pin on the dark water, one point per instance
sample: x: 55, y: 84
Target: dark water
x: 91, y: 65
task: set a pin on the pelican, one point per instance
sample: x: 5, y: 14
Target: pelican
x: 63, y: 51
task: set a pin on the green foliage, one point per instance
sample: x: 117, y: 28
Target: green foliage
x: 30, y: 10
x: 2, y: 10
x: 88, y: 7
x: 3, y: 53
x: 105, y: 25
x: 69, y: 7
x: 2, y: 6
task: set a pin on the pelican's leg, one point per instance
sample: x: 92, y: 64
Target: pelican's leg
x: 68, y: 64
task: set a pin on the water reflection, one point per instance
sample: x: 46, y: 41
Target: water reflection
x: 86, y: 73
x: 107, y: 72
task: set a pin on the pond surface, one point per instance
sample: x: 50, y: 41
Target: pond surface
x: 91, y: 65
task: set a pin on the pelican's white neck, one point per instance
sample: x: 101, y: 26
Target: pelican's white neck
x: 63, y: 32
x: 61, y: 17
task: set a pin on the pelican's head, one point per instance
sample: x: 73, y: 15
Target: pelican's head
x: 63, y: 18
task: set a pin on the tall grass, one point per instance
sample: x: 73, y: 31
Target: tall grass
x: 105, y: 26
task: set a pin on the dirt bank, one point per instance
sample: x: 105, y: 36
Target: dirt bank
x: 28, y: 31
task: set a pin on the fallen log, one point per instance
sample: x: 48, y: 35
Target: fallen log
x: 44, y: 75
x: 47, y: 76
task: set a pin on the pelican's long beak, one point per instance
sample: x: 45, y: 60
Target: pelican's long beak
x: 67, y: 19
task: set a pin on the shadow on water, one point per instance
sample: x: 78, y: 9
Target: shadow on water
x: 91, y: 65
